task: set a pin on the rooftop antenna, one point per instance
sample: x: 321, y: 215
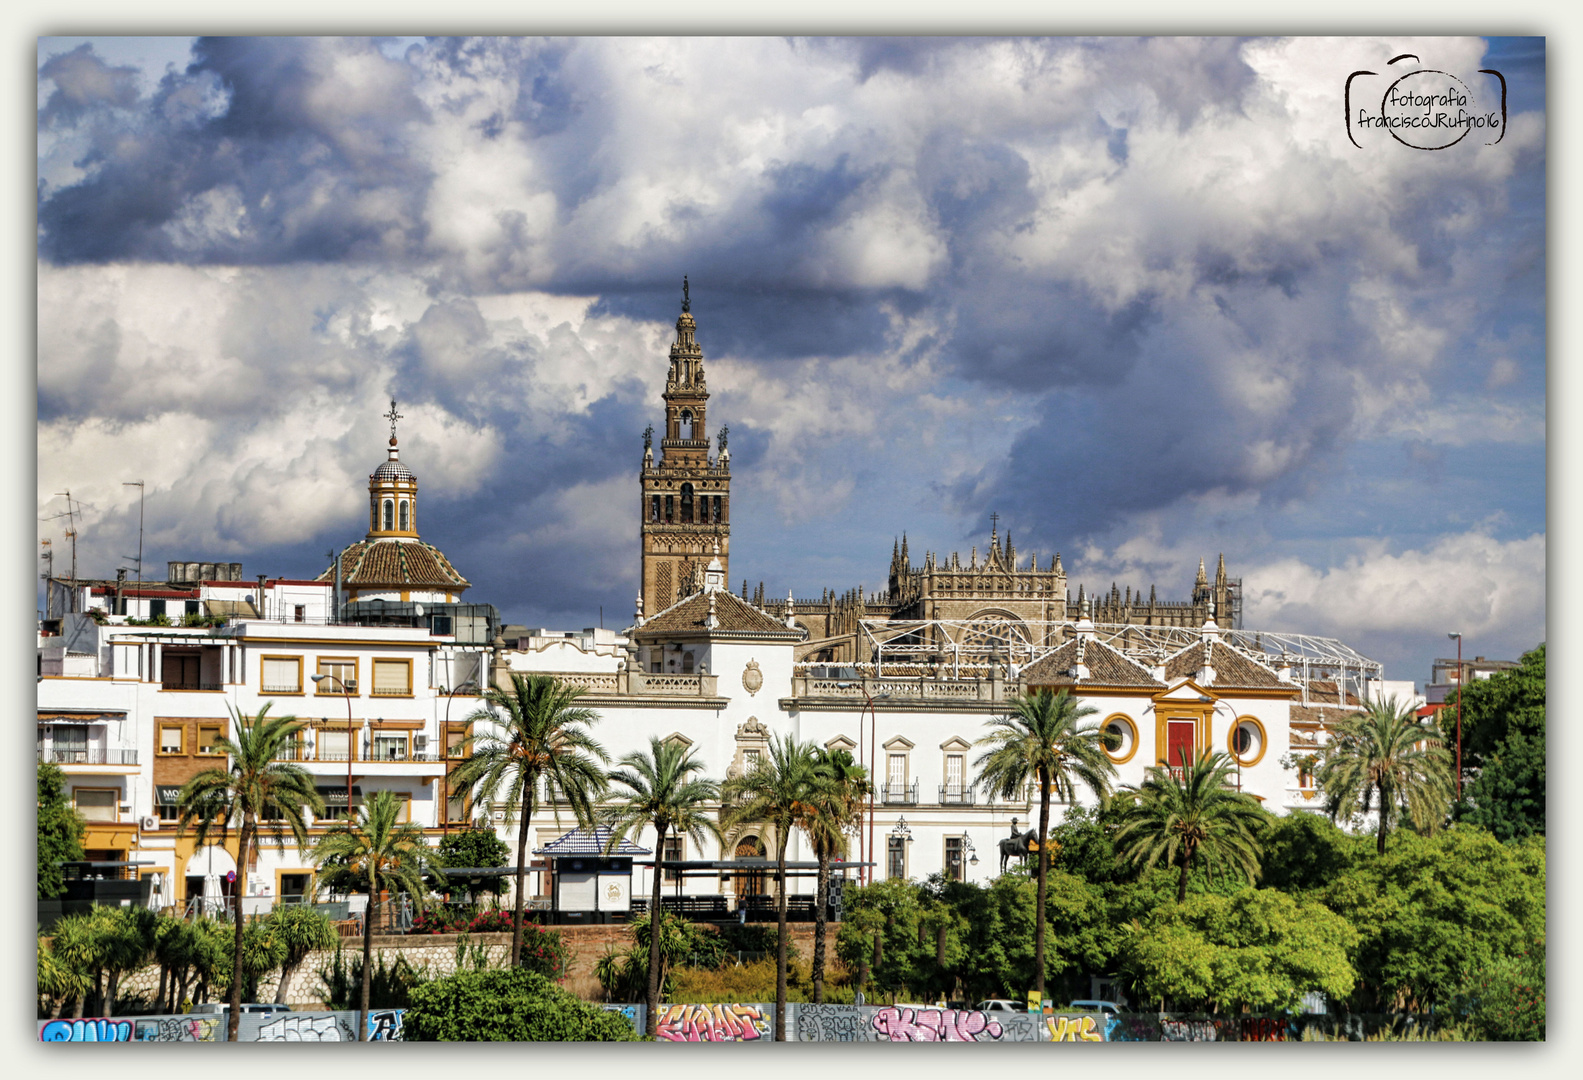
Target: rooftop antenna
x: 71, y: 533
x: 49, y: 574
x: 140, y: 497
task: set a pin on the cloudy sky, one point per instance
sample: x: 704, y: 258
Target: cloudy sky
x: 1142, y: 297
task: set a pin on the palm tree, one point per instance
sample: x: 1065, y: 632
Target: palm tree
x: 544, y: 734
x: 775, y: 792
x: 1191, y: 811
x: 831, y: 812
x: 303, y: 929
x: 1386, y: 756
x: 663, y: 792
x: 1040, y: 740
x: 363, y: 853
x: 256, y: 791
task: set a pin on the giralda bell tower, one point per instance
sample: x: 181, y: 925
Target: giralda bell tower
x: 686, y: 510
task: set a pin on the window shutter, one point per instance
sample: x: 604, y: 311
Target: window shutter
x: 282, y: 675
x: 390, y: 677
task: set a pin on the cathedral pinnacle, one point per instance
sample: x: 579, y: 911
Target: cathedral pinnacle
x: 687, y: 304
x: 1202, y: 578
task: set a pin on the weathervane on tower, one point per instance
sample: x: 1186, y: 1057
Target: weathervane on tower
x: 393, y: 416
x: 687, y: 304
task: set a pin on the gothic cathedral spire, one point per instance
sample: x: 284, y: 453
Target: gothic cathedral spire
x: 686, y: 495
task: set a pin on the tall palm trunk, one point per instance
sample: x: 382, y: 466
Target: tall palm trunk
x: 519, y: 902
x: 368, y: 954
x: 651, y: 1025
x: 234, y: 1021
x: 780, y: 946
x: 1187, y: 865
x: 1044, y: 867
x: 1379, y: 845
x: 821, y: 898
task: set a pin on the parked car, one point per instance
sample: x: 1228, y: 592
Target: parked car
x: 1001, y: 1005
x: 1109, y: 1008
x: 221, y: 1008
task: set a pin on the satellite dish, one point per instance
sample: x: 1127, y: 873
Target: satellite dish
x: 418, y: 608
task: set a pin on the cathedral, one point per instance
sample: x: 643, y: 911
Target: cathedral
x: 685, y: 514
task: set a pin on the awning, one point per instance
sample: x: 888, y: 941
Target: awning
x: 336, y: 796
x: 243, y: 608
x: 166, y: 794
x: 79, y: 716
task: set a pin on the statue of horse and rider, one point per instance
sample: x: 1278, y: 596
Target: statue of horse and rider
x: 1022, y: 845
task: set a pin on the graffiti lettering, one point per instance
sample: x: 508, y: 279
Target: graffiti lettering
x: 384, y: 1025
x: 86, y: 1031
x: 1073, y: 1029
x: 712, y: 1023
x: 900, y: 1024
x: 636, y: 1015
x: 176, y: 1029
x: 1195, y: 1031
x: 1263, y: 1029
x: 833, y: 1023
x: 303, y: 1028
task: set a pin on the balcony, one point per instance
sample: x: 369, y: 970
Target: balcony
x: 955, y: 795
x: 900, y: 794
x: 87, y: 756
x: 178, y: 684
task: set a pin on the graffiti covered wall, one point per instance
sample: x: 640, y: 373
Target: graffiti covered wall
x: 900, y: 1023
x: 729, y: 1022
x: 637, y: 1015
x: 384, y: 1025
x: 1079, y: 1027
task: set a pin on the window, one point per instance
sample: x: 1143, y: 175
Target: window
x: 685, y: 427
x: 294, y: 887
x: 456, y: 803
x: 332, y: 744
x: 654, y: 508
x: 670, y: 509
x: 390, y: 746
x: 71, y: 743
x: 282, y: 675
x: 896, y: 784
x: 456, y: 743
x: 392, y: 678
x: 96, y: 804
x: 896, y: 856
x: 191, y: 607
x: 687, y: 663
x: 403, y: 807
x: 209, y: 738
x: 953, y: 858
x: 687, y: 504
x: 166, y: 798
x: 299, y: 613
x: 750, y: 761
x: 156, y: 608
x: 1122, y: 739
x: 342, y: 672
x: 715, y: 516
x: 179, y: 670
x: 404, y: 515
x: 953, y: 774
x: 390, y: 515
x: 1246, y: 741
x: 170, y: 738
x: 673, y: 854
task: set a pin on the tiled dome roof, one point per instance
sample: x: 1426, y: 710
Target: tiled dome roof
x: 394, y: 470
x: 397, y: 563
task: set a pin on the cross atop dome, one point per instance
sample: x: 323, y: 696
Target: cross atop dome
x: 393, y: 416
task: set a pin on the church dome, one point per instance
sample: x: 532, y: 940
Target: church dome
x: 394, y: 470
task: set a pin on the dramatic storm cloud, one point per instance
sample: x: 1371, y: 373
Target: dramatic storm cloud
x: 1142, y: 297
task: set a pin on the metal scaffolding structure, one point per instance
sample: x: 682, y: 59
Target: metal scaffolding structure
x: 975, y: 644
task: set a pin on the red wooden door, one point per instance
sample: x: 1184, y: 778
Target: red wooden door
x: 1179, y: 741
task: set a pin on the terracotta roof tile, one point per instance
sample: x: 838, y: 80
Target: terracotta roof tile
x: 1106, y: 667
x: 1232, y: 668
x: 736, y: 616
x: 398, y: 563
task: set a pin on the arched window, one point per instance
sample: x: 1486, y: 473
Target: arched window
x: 390, y: 515
x: 687, y: 663
x: 684, y: 428
x: 687, y: 504
x: 404, y: 525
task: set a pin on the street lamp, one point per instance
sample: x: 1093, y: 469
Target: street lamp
x: 347, y: 690
x: 1460, y: 684
x: 868, y: 851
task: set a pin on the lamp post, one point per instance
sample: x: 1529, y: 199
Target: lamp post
x: 445, y: 730
x: 867, y: 851
x: 346, y: 693
x: 1460, y: 683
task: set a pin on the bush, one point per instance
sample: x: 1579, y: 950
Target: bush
x: 507, y: 1006
x: 1504, y: 999
x: 389, y: 986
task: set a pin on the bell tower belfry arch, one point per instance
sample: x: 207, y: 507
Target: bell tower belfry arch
x: 686, y: 507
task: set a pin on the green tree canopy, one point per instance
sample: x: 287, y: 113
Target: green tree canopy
x: 1387, y: 762
x: 1508, y: 798
x: 467, y: 848
x: 1492, y: 709
x: 1189, y: 812
x: 508, y: 1005
x: 1258, y: 948
x: 60, y: 831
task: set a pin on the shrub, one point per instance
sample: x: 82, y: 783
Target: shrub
x: 507, y: 1006
x: 389, y: 986
x: 1504, y: 999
